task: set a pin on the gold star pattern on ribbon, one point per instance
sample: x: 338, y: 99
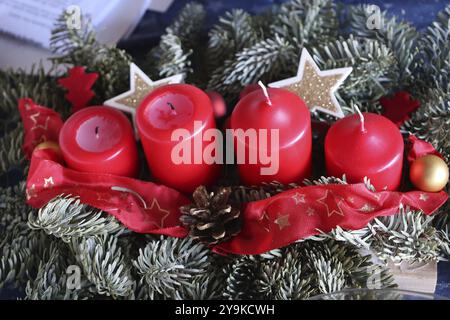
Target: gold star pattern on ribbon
x: 317, y: 88
x: 48, y: 182
x: 367, y: 208
x: 155, y: 203
x: 299, y: 198
x: 31, y: 192
x: 282, y: 221
x: 331, y: 204
x: 140, y: 86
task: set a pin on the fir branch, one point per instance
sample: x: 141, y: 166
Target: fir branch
x: 103, y: 263
x: 11, y: 154
x: 433, y: 69
x: 169, y: 58
x: 400, y: 37
x: 37, y: 84
x: 188, y: 25
x: 408, y: 235
x: 305, y: 23
x: 373, y: 66
x: 65, y: 217
x: 234, y: 32
x: 240, y: 279
x: 79, y: 47
x: 432, y: 122
x: 262, y: 61
x: 168, y: 264
x: 51, y: 280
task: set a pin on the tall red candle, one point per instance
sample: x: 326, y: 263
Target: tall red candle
x: 284, y: 111
x: 371, y: 146
x: 165, y: 109
x: 101, y: 140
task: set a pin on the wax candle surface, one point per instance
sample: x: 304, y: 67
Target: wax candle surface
x: 99, y: 139
x: 288, y: 114
x: 374, y: 150
x: 165, y: 109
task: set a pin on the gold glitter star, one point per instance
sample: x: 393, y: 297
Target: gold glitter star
x: 315, y: 87
x: 140, y: 86
x: 282, y: 221
x: 423, y: 197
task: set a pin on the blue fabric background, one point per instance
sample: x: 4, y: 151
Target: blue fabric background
x: 419, y: 12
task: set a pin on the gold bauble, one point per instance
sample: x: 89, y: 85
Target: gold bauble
x: 429, y: 173
x: 48, y: 145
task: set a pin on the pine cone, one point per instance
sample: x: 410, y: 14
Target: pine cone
x: 210, y: 218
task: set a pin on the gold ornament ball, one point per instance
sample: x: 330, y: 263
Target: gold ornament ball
x: 49, y: 145
x: 429, y: 173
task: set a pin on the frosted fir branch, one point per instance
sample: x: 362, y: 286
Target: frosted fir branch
x: 79, y: 47
x: 401, y: 37
x: 166, y: 265
x: 373, y: 63
x: 234, y: 32
x: 188, y: 25
x: 103, y: 263
x: 37, y: 83
x: 260, y: 62
x: 66, y: 217
x: 50, y: 281
x: 11, y: 154
x: 169, y: 58
x: 306, y: 23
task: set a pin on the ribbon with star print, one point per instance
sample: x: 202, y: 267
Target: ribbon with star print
x: 307, y: 211
x: 146, y: 207
x: 40, y: 124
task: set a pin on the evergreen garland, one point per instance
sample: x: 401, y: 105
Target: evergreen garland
x: 39, y: 247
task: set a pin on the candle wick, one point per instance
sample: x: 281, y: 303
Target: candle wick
x: 174, y: 111
x: 266, y: 92
x: 96, y: 132
x: 361, y: 118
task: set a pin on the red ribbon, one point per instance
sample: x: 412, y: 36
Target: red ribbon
x: 272, y: 223
x: 40, y: 124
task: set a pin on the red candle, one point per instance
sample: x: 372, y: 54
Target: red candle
x: 101, y: 140
x: 168, y: 108
x: 365, y: 145
x: 281, y: 110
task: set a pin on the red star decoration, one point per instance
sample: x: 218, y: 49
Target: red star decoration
x: 79, y: 85
x: 399, y: 108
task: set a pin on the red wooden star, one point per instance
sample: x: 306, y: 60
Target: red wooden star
x: 399, y: 108
x: 79, y: 85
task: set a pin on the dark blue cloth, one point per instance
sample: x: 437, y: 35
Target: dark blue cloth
x: 419, y: 12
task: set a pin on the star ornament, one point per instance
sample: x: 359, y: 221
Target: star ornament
x: 317, y: 88
x: 140, y: 86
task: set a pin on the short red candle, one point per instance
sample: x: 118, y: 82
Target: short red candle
x: 101, y: 140
x: 165, y: 109
x: 290, y: 115
x: 372, y: 148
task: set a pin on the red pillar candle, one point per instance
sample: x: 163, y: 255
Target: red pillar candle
x: 365, y: 145
x: 101, y: 140
x: 165, y: 109
x: 281, y: 110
